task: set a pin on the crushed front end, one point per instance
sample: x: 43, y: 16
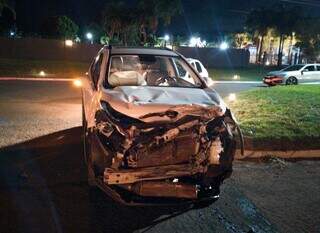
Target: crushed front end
x: 181, y: 154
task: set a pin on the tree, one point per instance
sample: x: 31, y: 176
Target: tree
x: 240, y: 39
x: 59, y: 27
x: 153, y: 11
x: 308, y: 34
x: 131, y: 25
x: 7, y: 17
x: 120, y: 22
x: 285, y: 22
x: 5, y: 4
x: 67, y: 28
x: 257, y: 24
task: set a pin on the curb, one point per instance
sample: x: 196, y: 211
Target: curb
x: 238, y: 82
x: 299, y: 154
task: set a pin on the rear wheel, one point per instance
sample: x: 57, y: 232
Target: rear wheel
x: 292, y: 81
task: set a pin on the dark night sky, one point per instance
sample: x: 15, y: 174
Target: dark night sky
x: 203, y: 16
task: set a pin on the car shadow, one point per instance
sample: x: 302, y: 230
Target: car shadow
x: 43, y: 188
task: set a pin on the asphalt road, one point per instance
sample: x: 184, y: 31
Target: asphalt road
x: 43, y: 180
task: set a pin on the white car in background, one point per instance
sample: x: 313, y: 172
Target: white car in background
x: 199, y: 67
x: 294, y: 74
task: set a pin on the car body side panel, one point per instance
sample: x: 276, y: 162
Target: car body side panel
x: 317, y: 74
x: 90, y: 94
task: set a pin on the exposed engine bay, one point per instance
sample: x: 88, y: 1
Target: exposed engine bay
x: 182, y: 157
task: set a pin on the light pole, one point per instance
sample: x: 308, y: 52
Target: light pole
x: 224, y: 46
x: 166, y: 39
x: 89, y: 37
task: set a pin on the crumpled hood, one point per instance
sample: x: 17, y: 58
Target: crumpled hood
x: 137, y: 101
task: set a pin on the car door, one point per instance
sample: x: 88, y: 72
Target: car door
x: 90, y: 88
x: 317, y: 74
x: 308, y: 73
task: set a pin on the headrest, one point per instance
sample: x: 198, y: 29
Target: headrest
x: 126, y: 78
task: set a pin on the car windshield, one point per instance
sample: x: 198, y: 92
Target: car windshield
x: 293, y: 68
x: 150, y: 70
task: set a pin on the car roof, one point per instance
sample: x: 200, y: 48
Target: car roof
x: 192, y: 59
x: 142, y: 50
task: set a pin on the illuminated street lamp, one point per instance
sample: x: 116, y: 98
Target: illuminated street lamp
x: 166, y: 39
x: 193, y: 41
x: 68, y: 43
x: 197, y: 42
x: 42, y: 73
x: 232, y: 97
x: 224, y: 46
x: 77, y: 82
x: 89, y: 36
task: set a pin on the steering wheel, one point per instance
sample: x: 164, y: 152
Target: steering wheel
x: 154, y: 78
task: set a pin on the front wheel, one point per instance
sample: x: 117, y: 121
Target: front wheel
x: 292, y: 81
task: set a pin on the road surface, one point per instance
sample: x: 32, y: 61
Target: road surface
x: 43, y: 181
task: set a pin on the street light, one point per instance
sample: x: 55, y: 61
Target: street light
x: 166, y: 39
x: 232, y: 97
x: 77, y: 82
x: 89, y: 36
x: 193, y: 41
x: 68, y: 43
x: 224, y: 46
x: 42, y: 73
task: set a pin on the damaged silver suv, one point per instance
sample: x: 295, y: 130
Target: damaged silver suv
x: 154, y: 132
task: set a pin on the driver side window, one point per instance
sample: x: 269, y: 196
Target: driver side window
x: 309, y: 68
x: 181, y: 71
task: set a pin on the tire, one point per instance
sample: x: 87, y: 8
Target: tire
x: 292, y: 81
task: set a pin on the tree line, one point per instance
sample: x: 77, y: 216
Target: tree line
x: 285, y: 23
x: 121, y: 23
x: 137, y: 24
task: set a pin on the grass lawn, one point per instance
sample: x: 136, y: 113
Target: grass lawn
x: 251, y: 73
x: 282, y: 113
x: 63, y: 69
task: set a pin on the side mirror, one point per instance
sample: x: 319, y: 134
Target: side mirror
x: 304, y: 70
x: 208, y: 81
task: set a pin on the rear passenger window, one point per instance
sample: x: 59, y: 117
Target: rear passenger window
x: 95, y: 69
x: 198, y: 67
x: 310, y: 68
x: 318, y: 68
